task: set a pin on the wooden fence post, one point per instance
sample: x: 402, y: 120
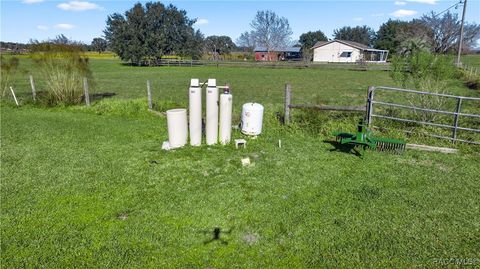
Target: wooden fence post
x: 288, y: 97
x: 14, y: 97
x: 149, y: 95
x: 34, y: 92
x: 85, y: 91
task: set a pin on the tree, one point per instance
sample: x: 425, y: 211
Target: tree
x: 416, y: 31
x: 270, y: 31
x: 360, y: 34
x: 309, y: 39
x: 246, y: 40
x: 99, y: 44
x: 193, y: 45
x: 445, y: 31
x: 388, y: 35
x: 219, y: 45
x: 151, y: 31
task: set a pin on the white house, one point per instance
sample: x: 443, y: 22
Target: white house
x: 341, y: 51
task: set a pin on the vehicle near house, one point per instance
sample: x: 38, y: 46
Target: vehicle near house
x: 282, y: 54
x: 341, y: 51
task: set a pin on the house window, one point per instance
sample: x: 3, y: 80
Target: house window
x: 346, y: 54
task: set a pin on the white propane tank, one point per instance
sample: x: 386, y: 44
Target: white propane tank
x: 195, y: 112
x: 177, y: 127
x: 252, y: 118
x: 225, y: 117
x: 211, y: 128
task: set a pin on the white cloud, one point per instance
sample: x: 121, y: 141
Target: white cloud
x: 201, y: 22
x: 403, y: 13
x: 42, y: 27
x: 430, y: 2
x: 358, y: 19
x: 400, y: 3
x: 64, y: 26
x: 32, y: 1
x: 78, y: 6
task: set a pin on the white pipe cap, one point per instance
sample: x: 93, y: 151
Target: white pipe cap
x: 194, y: 82
x: 212, y: 82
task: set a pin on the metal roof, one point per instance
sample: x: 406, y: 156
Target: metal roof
x: 288, y: 49
x: 345, y: 42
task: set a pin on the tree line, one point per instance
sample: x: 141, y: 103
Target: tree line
x: 150, y: 31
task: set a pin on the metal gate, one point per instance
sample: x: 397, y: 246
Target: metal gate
x: 373, y: 102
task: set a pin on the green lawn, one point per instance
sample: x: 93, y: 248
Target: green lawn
x: 90, y: 187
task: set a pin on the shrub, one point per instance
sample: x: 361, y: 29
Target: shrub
x: 429, y: 101
x: 63, y: 66
x: 414, y: 68
x: 424, y: 71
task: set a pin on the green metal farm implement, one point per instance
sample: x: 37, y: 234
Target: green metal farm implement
x: 363, y: 139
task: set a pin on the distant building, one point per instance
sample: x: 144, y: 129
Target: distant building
x: 284, y: 54
x: 341, y: 51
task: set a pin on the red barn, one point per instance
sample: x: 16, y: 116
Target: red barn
x: 286, y: 54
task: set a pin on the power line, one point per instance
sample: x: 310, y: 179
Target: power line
x: 452, y: 6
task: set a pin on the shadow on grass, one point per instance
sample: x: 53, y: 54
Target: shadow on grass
x: 344, y: 148
x: 216, y: 235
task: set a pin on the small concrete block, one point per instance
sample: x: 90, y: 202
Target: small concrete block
x: 166, y: 145
x: 240, y: 142
x: 246, y: 161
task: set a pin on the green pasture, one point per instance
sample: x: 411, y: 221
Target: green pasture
x: 263, y: 85
x: 91, y: 188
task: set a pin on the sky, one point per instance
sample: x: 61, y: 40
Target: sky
x: 22, y: 20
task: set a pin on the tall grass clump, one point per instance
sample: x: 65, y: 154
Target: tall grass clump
x: 9, y: 66
x: 63, y: 66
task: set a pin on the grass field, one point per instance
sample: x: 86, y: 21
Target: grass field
x: 90, y: 187
x: 472, y: 60
x: 264, y: 85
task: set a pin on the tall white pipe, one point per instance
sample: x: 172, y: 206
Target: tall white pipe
x: 195, y: 112
x: 225, y: 118
x: 177, y: 127
x: 211, y: 128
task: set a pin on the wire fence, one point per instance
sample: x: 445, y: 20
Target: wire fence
x: 361, y: 66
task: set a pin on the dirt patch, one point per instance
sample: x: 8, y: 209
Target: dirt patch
x: 122, y: 216
x: 250, y: 239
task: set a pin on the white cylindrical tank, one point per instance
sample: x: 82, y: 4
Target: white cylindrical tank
x: 195, y: 112
x: 225, y: 132
x: 177, y: 127
x: 211, y: 128
x: 252, y: 118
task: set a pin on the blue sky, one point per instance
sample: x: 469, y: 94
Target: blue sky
x: 22, y: 20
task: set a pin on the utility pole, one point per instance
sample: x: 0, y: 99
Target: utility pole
x: 460, y: 41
